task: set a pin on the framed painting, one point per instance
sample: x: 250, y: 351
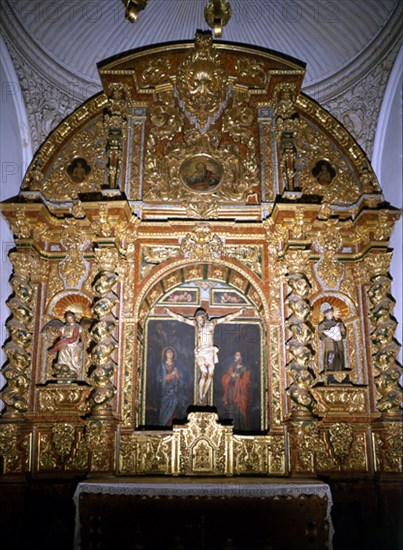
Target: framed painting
x: 201, y: 173
x: 183, y: 296
x: 169, y: 372
x: 171, y: 377
x: 225, y: 297
x: 238, y: 391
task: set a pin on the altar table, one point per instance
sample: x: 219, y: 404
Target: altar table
x: 203, y: 514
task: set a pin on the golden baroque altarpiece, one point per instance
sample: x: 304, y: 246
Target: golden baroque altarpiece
x: 200, y: 177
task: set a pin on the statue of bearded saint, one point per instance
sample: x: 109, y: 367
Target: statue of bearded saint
x: 333, y: 333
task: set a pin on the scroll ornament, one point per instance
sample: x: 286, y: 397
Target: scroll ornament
x: 202, y: 244
x: 329, y: 268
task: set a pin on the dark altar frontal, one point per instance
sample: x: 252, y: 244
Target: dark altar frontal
x: 146, y: 513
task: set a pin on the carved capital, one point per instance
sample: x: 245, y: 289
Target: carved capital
x: 107, y: 259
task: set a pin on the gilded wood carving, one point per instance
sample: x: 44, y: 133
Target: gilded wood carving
x: 201, y: 177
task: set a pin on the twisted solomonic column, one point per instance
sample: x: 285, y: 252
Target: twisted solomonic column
x: 385, y: 350
x: 17, y: 370
x: 102, y: 332
x: 300, y: 367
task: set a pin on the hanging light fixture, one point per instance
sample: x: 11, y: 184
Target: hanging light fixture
x: 133, y: 8
x: 217, y: 14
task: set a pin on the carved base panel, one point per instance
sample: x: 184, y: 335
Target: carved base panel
x: 338, y: 447
x: 61, y: 449
x: 259, y: 455
x: 341, y: 401
x: 69, y: 449
x: 69, y: 399
x: 387, y: 445
x: 201, y: 447
x: 15, y: 448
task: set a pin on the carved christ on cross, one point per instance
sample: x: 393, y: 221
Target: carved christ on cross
x: 205, y: 351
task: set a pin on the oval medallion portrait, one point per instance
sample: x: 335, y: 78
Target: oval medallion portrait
x: 323, y: 172
x: 78, y: 170
x: 201, y: 173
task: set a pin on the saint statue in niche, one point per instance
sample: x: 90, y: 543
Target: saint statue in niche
x: 289, y: 157
x: 78, y: 170
x: 332, y: 332
x: 68, y: 345
x: 201, y: 173
x: 323, y: 172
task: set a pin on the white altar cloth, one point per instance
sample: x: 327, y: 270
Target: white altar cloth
x: 206, y: 487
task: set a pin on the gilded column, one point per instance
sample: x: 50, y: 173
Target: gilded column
x: 300, y: 367
x: 102, y: 333
x: 126, y: 236
x: 17, y: 370
x: 385, y: 348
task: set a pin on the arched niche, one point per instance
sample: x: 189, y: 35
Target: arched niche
x: 221, y: 288
x: 176, y: 271
x: 345, y: 312
x: 62, y: 303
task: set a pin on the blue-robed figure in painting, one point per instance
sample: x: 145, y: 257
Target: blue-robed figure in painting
x: 172, y: 388
x: 169, y: 371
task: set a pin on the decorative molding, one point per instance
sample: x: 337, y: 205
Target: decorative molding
x: 358, y: 107
x: 338, y: 83
x: 50, y: 92
x: 354, y: 94
x: 19, y: 105
x: 46, y: 104
x: 393, y: 88
x: 76, y: 86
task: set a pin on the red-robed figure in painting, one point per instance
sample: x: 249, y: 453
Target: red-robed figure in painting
x: 236, y: 385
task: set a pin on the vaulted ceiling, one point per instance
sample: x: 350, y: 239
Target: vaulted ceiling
x: 326, y: 35
x: 349, y: 47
